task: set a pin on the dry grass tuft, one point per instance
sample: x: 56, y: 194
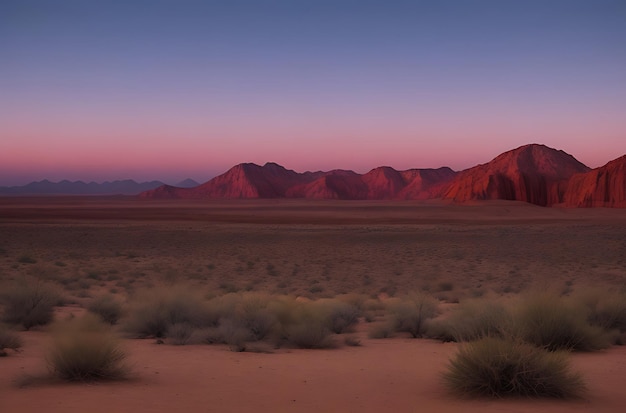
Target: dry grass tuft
x: 496, y: 367
x: 9, y: 340
x: 85, y: 349
x: 30, y: 303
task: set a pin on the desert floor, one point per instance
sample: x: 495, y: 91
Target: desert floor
x: 87, y: 246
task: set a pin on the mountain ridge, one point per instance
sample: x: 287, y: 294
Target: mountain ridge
x: 533, y: 173
x: 66, y: 187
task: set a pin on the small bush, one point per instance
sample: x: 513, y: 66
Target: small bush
x: 84, y: 349
x: 158, y: 309
x: 26, y: 259
x: 235, y: 335
x: 445, y: 286
x: 548, y: 321
x: 180, y: 334
x: 29, y: 303
x: 107, y: 308
x: 495, y: 367
x: 606, y: 309
x: 305, y: 326
x: 311, y: 335
x: 472, y: 320
x: 352, y: 341
x: 251, y: 313
x: 381, y: 330
x: 340, y: 316
x: 411, y: 314
x: 9, y: 340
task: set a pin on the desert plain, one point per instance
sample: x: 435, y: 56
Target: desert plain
x: 86, y: 247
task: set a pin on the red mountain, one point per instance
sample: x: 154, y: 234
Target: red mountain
x: 380, y: 183
x: 246, y: 180
x: 337, y: 184
x: 532, y: 173
x: 425, y: 183
x: 600, y: 187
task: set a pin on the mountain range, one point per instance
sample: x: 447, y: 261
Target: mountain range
x: 533, y: 173
x: 65, y: 187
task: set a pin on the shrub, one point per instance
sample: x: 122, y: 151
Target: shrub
x: 381, y: 330
x: 252, y: 314
x: 606, y: 309
x: 352, y: 341
x: 310, y: 334
x: 496, y: 367
x: 305, y: 326
x: 84, y: 349
x: 180, y: 334
x: 340, y: 317
x: 445, y: 286
x: 411, y: 314
x: 158, y: 309
x: 107, y: 308
x: 473, y: 320
x: 235, y: 335
x: 9, y: 340
x: 548, y: 321
x: 29, y: 303
x: 26, y: 259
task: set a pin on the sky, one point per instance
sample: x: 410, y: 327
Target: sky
x: 174, y: 89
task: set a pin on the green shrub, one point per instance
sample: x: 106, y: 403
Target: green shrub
x: 445, y: 286
x: 606, y: 309
x: 235, y: 335
x: 412, y: 313
x: 472, y: 320
x: 26, y: 259
x: 352, y: 341
x: 303, y: 324
x: 549, y: 321
x: 340, y: 316
x: 381, y: 330
x: 252, y: 314
x: 29, y: 303
x: 310, y: 334
x: 85, y: 349
x: 9, y: 340
x: 158, y: 309
x: 496, y: 367
x: 107, y: 308
x: 180, y: 334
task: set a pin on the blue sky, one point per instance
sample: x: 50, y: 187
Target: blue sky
x: 170, y: 89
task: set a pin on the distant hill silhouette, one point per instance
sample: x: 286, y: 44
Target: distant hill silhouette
x: 187, y: 183
x: 45, y: 187
x: 531, y: 173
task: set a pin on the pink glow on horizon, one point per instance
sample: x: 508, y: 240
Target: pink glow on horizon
x: 157, y: 146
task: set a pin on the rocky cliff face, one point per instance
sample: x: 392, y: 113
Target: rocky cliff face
x: 600, y: 187
x: 531, y: 173
x: 246, y: 180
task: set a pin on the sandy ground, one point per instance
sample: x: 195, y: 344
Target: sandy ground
x: 92, y: 245
x: 393, y: 375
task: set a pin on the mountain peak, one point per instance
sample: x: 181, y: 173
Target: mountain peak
x: 533, y: 173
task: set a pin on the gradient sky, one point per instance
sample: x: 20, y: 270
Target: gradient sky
x: 103, y: 90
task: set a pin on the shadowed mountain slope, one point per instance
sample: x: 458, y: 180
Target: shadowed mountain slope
x: 600, y: 187
x: 531, y: 173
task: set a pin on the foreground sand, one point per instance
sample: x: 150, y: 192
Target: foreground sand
x: 392, y: 375
x: 315, y: 249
